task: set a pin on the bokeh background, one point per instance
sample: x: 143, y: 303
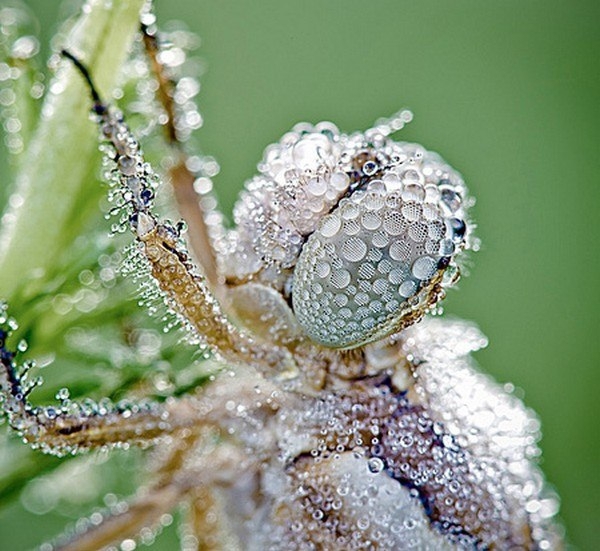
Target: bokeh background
x: 509, y: 93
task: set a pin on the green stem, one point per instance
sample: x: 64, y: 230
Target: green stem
x: 56, y: 164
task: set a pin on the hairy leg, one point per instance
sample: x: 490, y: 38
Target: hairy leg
x: 159, y: 242
x: 213, y: 466
x: 70, y: 427
x: 203, y: 529
x: 142, y: 512
x: 202, y: 221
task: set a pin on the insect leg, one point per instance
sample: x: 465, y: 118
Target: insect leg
x: 71, y: 427
x: 58, y: 432
x: 191, y: 206
x: 216, y: 466
x: 204, y: 528
x: 203, y: 520
x: 144, y: 511
x: 184, y: 287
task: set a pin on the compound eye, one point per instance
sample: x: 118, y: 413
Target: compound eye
x: 375, y: 263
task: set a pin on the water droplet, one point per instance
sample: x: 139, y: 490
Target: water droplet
x: 63, y: 394
x: 354, y: 249
x: 127, y: 165
x: 339, y: 181
x: 330, y: 226
x: 370, y: 168
x: 371, y: 220
x: 459, y: 228
x: 394, y: 223
x: 340, y: 279
x: 375, y: 465
x: 311, y: 150
x: 408, y: 288
x: 450, y: 200
x: 424, y: 267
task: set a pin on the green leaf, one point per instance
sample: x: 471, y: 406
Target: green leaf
x: 57, y: 161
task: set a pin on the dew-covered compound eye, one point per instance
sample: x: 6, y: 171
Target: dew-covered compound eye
x: 375, y: 260
x: 359, y: 232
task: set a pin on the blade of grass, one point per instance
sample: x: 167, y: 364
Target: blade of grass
x: 58, y: 159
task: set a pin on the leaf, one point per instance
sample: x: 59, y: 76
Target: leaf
x: 57, y: 162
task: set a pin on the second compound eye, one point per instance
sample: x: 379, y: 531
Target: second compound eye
x: 375, y: 263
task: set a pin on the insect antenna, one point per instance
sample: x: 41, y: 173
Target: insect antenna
x: 165, y: 84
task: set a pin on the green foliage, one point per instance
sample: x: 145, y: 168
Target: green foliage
x: 58, y: 265
x: 57, y: 160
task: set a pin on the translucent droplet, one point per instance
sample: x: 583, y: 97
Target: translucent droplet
x: 375, y: 465
x: 408, y: 288
x: 63, y: 394
x: 340, y: 279
x: 331, y: 226
x: 316, y: 186
x: 311, y: 150
x: 394, y: 223
x: 400, y: 251
x: 459, y: 228
x: 370, y: 168
x: 354, y: 249
x: 424, y: 267
x: 450, y: 199
x: 339, y: 181
x: 371, y: 220
x: 323, y: 269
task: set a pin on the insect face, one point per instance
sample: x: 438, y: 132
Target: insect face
x: 356, y: 231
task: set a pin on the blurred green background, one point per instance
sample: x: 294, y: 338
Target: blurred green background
x: 509, y: 93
